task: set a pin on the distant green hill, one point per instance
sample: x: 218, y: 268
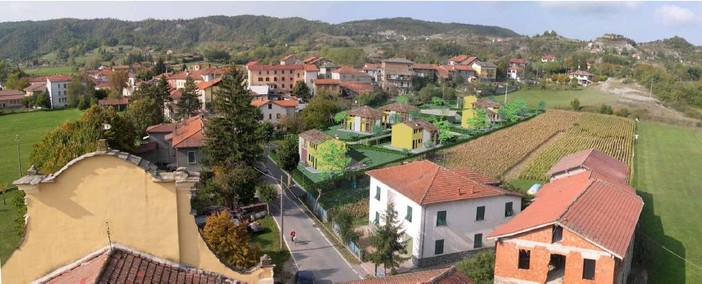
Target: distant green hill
x: 29, y: 39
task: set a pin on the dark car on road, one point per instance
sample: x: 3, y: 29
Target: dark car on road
x: 304, y: 277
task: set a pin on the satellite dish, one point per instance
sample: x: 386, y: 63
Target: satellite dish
x: 106, y: 126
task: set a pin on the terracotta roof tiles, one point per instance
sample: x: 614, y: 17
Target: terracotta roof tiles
x: 275, y: 67
x: 608, y: 167
x: 366, y: 111
x: 315, y: 136
x: 398, y: 107
x: 447, y: 275
x: 189, y: 134
x: 427, y: 183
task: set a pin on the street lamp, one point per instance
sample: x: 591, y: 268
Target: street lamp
x: 19, y: 160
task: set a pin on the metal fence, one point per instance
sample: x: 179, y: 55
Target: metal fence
x: 353, y: 247
x: 316, y: 208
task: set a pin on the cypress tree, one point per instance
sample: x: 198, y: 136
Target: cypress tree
x: 188, y: 104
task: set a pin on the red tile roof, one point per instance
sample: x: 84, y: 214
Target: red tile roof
x: 315, y: 136
x: 312, y: 60
x: 188, y: 134
x: 348, y: 70
x: 120, y: 265
x: 37, y: 79
x: 427, y: 183
x: 282, y: 103
x: 469, y: 61
x: 311, y: 68
x: 59, y: 78
x: 176, y: 94
x: 204, y: 85
x: 518, y: 61
x: 398, y: 107
x: 486, y: 103
x: 357, y: 87
x: 458, y: 67
x: 599, y: 211
x: 36, y: 86
x: 161, y: 128
x: 548, y: 56
x: 11, y: 95
x: 113, y: 102
x: 515, y: 68
x: 421, y: 124
x: 424, y: 66
x: 275, y: 67
x: 458, y: 58
x: 366, y: 111
x: 449, y: 275
x: 370, y: 66
x: 606, y: 166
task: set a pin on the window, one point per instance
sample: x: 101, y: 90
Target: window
x: 290, y: 71
x: 270, y: 116
x: 480, y: 214
x: 556, y: 234
x: 277, y: 116
x: 275, y: 79
x: 441, y: 218
x: 291, y: 86
x: 478, y: 241
x: 524, y: 258
x: 191, y: 157
x: 588, y: 269
x: 64, y: 86
x: 268, y: 79
x: 270, y: 106
x: 508, y: 209
x: 377, y: 218
x: 409, y: 213
x: 275, y: 72
x: 259, y: 72
x: 377, y: 193
x: 439, y: 247
x: 260, y: 79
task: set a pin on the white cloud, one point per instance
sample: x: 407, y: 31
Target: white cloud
x: 676, y: 16
x: 590, y: 7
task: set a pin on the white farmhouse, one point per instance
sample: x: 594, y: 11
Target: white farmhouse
x: 58, y: 87
x: 273, y: 111
x: 446, y: 213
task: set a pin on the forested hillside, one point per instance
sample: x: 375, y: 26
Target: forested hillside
x: 25, y: 40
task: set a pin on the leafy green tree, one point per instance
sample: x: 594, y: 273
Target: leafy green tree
x: 444, y: 127
x: 160, y: 67
x: 118, y: 80
x: 92, y: 63
x: 542, y: 105
x: 332, y: 155
x: 340, y: 116
x: 266, y: 130
x: 606, y: 109
x: 319, y: 111
x: 232, y: 135
x: 75, y: 91
x: 42, y: 99
x: 344, y: 220
x: 575, y: 104
x: 301, y: 91
x: 513, y: 111
x: 188, y: 104
x: 403, y: 99
x: 479, y: 119
x: 266, y: 193
x: 385, y: 239
x: 288, y: 155
x: 142, y: 113
x: 479, y: 268
x: 80, y: 137
x: 230, y: 242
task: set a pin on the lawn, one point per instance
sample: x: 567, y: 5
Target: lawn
x: 371, y: 157
x: 335, y: 131
x: 46, y: 71
x: 31, y: 127
x: 558, y: 99
x: 667, y: 178
x: 9, y: 237
x: 269, y: 240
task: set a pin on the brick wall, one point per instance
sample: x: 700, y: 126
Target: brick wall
x: 507, y: 258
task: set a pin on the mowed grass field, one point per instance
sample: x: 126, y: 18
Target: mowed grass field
x: 31, y: 127
x: 667, y: 175
x: 46, y: 71
x: 588, y: 97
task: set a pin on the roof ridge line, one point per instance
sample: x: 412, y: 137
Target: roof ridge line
x: 590, y: 182
x: 424, y: 196
x: 191, y: 135
x: 614, y: 185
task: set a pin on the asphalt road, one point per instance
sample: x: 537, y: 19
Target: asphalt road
x: 312, y: 251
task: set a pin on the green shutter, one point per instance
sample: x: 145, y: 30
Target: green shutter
x: 480, y: 215
x: 441, y: 218
x: 409, y: 214
x: 508, y: 209
x: 438, y: 247
x: 478, y: 241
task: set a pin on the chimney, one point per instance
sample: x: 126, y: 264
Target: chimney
x: 102, y: 145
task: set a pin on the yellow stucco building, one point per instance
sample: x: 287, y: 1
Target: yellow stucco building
x: 113, y: 198
x: 309, y: 142
x: 468, y: 111
x: 411, y: 135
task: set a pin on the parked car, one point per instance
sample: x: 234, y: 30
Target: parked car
x: 304, y: 277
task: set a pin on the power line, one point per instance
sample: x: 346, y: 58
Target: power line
x: 672, y: 252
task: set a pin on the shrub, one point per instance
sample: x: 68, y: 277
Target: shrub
x: 624, y: 112
x: 479, y: 268
x: 606, y: 109
x: 575, y: 104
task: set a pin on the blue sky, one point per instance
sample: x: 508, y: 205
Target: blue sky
x: 641, y: 21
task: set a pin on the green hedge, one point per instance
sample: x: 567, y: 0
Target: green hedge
x: 379, y: 149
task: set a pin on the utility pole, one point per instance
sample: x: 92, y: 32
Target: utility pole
x: 19, y: 160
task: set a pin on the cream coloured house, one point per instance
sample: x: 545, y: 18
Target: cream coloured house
x: 108, y: 200
x: 446, y: 213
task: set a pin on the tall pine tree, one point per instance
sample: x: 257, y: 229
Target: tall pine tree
x: 188, y: 104
x: 386, y: 239
x: 231, y: 134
